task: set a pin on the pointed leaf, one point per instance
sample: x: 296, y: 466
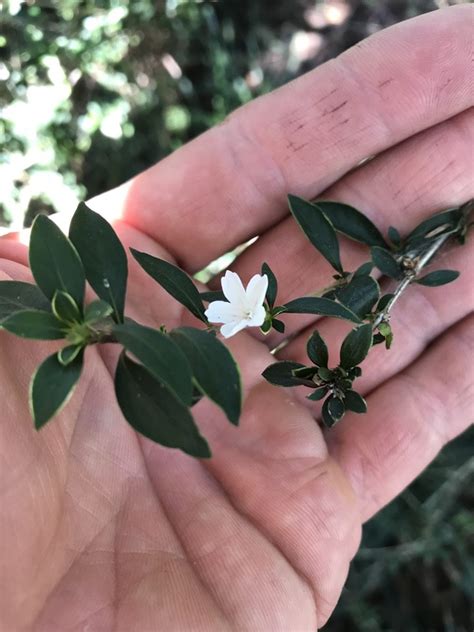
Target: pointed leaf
x: 272, y: 289
x: 318, y: 394
x: 174, y: 280
x: 16, y: 296
x: 317, y: 228
x: 386, y: 262
x: 281, y: 374
x: 160, y: 355
x: 352, y: 223
x: 435, y: 225
x: 51, y: 387
x: 386, y: 331
x: 355, y: 402
x: 66, y: 355
x: 438, y: 277
x: 153, y: 411
x: 97, y: 310
x: 323, y: 306
x: 365, y: 269
x: 383, y: 302
x: 103, y: 257
x: 54, y: 261
x: 394, y: 236
x: 317, y: 350
x: 65, y: 308
x: 356, y: 346
x: 209, y: 297
x: 278, y: 325
x: 336, y: 407
x: 328, y: 420
x: 360, y: 295
x: 214, y: 369
x: 35, y: 324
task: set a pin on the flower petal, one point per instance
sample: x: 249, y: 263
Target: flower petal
x: 230, y: 329
x: 233, y: 289
x: 258, y: 317
x: 222, y: 312
x: 256, y: 290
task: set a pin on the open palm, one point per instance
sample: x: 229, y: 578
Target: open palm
x: 103, y: 530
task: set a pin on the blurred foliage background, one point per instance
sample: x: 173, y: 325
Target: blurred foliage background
x: 91, y: 93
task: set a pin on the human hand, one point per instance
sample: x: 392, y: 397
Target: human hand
x: 101, y: 529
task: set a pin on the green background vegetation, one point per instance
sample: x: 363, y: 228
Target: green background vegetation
x: 91, y: 93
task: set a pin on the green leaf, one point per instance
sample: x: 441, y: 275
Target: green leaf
x: 438, y: 277
x: 153, y: 411
x: 209, y: 297
x: 435, y: 225
x: 103, y: 256
x: 51, y: 387
x: 54, y: 261
x: 35, y: 324
x: 16, y: 296
x: 394, y: 236
x: 317, y: 228
x: 281, y: 374
x: 272, y: 285
x: 336, y: 407
x: 378, y: 339
x: 278, y: 325
x: 266, y: 327
x: 326, y: 374
x: 386, y: 262
x: 352, y: 223
x: 364, y: 269
x: 326, y: 416
x: 356, y: 346
x: 386, y: 331
x: 318, y: 394
x: 174, y: 280
x: 323, y: 306
x: 65, y: 308
x: 355, y: 402
x: 66, y: 355
x: 317, y: 350
x: 160, y: 355
x: 214, y: 369
x: 96, y: 311
x: 383, y: 302
x: 360, y: 295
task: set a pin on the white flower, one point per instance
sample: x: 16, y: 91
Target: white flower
x: 245, y: 307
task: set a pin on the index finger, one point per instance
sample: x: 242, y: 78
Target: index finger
x: 231, y: 183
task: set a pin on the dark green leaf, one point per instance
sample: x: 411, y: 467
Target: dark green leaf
x: 160, y: 355
x: 364, y: 269
x: 326, y: 374
x: 326, y: 415
x: 278, y: 325
x: 386, y: 262
x: 438, y: 277
x: 378, y: 339
x: 174, y: 280
x: 281, y: 374
x: 68, y: 354
x: 52, y: 386
x: 360, y: 295
x: 318, y: 394
x: 435, y: 225
x: 386, y: 331
x: 153, y: 411
x: 54, y: 261
x: 272, y: 285
x: 317, y: 350
x: 356, y: 346
x: 317, y: 228
x: 214, y: 369
x: 383, y: 302
x: 103, y: 256
x: 323, y: 306
x: 97, y: 310
x: 209, y: 297
x: 355, y: 402
x: 16, y: 296
x: 394, y: 236
x: 336, y: 408
x: 35, y: 324
x: 65, y: 308
x: 352, y: 223
x: 266, y: 327
x: 306, y: 372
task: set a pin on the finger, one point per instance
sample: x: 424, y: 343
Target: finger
x: 411, y: 417
x: 420, y: 176
x: 420, y: 316
x: 231, y: 183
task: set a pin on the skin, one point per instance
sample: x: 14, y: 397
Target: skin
x: 102, y: 530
